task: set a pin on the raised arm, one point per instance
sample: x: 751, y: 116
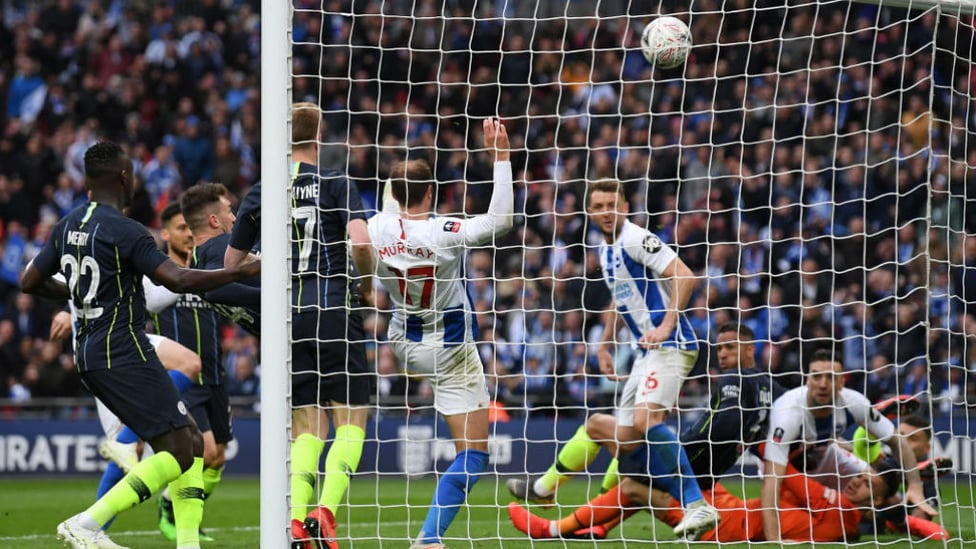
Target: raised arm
x: 498, y: 219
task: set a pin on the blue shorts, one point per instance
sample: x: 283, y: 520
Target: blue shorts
x: 328, y: 356
x: 141, y: 395
x: 210, y: 407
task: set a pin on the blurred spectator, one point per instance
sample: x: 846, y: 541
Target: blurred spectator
x: 245, y: 381
x: 193, y: 151
x: 794, y: 189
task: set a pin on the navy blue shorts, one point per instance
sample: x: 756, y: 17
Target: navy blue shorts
x: 141, y: 395
x: 328, y: 356
x: 210, y: 407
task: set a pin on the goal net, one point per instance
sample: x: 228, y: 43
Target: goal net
x: 812, y: 163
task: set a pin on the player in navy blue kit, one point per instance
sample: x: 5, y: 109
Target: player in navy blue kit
x: 103, y: 255
x: 330, y: 378
x: 193, y: 322
x: 206, y: 208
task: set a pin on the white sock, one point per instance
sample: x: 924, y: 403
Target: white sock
x: 541, y: 490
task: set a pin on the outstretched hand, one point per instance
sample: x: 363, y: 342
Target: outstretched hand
x: 496, y: 139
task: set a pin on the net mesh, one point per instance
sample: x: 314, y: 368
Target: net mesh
x: 812, y: 163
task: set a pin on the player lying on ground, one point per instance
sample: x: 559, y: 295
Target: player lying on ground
x: 810, y: 511
x: 736, y: 417
x: 804, y: 428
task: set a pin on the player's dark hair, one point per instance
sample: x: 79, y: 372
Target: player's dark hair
x: 410, y: 181
x: 606, y: 186
x: 825, y: 355
x: 920, y: 423
x: 171, y: 210
x: 746, y: 335
x: 306, y: 123
x: 891, y: 473
x: 102, y: 159
x: 198, y: 201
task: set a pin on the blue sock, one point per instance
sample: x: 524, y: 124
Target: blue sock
x: 126, y: 435
x: 112, y: 475
x: 180, y: 380
x: 452, y: 490
x: 666, y: 460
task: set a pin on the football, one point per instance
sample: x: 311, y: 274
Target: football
x: 666, y: 42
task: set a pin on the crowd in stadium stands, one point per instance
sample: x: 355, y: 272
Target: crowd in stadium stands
x: 810, y: 196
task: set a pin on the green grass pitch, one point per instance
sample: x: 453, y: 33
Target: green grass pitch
x: 383, y: 513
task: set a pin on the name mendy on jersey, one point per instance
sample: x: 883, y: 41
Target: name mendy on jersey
x: 77, y: 238
x: 400, y: 249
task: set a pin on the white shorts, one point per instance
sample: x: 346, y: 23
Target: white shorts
x: 155, y: 340
x: 456, y: 374
x: 655, y: 378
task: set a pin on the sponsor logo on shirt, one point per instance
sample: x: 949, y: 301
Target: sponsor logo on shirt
x: 452, y: 227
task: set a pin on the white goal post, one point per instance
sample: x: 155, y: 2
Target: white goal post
x: 814, y: 162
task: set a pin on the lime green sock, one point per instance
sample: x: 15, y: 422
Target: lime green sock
x: 211, y: 478
x: 578, y: 452
x: 305, y: 453
x: 611, y: 478
x: 341, y: 462
x: 187, y: 492
x: 145, y: 479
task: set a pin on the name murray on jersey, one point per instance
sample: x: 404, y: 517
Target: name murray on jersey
x: 404, y: 249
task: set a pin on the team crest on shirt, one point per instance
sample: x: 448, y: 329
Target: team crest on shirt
x: 181, y: 408
x: 652, y: 244
x: 778, y: 435
x: 452, y: 227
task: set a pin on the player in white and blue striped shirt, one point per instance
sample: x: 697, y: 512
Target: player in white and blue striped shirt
x: 651, y: 287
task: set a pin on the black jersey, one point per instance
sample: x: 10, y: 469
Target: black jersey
x: 103, y: 256
x: 737, y: 416
x: 322, y: 204
x: 192, y: 323
x: 247, y: 228
x: 238, y: 302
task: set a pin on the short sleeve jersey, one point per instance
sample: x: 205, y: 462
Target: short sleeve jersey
x: 191, y: 322
x: 737, y: 416
x: 103, y: 256
x: 210, y: 255
x: 632, y: 267
x: 247, y: 228
x: 323, y: 203
x: 420, y: 263
x: 790, y: 422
